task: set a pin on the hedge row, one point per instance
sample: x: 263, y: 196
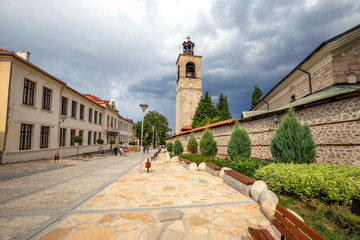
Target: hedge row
x: 309, y: 181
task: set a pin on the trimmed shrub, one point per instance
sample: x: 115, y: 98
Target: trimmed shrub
x: 169, y: 147
x: 208, y: 145
x: 248, y: 166
x: 192, y: 144
x: 310, y: 181
x: 293, y: 142
x: 99, y: 141
x: 239, y: 143
x: 121, y: 142
x: 178, y: 147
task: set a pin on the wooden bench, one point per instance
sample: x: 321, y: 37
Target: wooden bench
x: 213, y: 169
x: 213, y: 166
x: 86, y: 155
x: 290, y: 227
x: 241, y: 177
x: 186, y: 161
x: 238, y: 181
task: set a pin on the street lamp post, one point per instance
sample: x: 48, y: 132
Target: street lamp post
x: 153, y: 136
x: 143, y: 108
x: 157, y: 137
x: 62, y: 120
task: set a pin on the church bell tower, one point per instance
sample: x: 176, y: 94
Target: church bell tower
x: 188, y: 86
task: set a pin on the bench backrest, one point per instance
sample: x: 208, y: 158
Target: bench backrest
x: 291, y: 227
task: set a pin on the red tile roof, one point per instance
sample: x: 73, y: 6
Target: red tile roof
x: 228, y: 121
x: 186, y: 128
x: 96, y: 99
x: 5, y: 51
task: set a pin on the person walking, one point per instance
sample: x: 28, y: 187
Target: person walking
x: 116, y: 150
x: 120, y: 151
x: 147, y: 150
x: 144, y: 149
x: 125, y: 151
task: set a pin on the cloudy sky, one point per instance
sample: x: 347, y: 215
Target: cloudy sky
x: 126, y: 50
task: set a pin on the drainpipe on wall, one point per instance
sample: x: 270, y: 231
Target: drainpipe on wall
x: 62, y: 89
x: 310, y: 88
x: 266, y: 103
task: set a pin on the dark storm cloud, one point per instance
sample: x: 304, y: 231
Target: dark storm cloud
x: 126, y: 50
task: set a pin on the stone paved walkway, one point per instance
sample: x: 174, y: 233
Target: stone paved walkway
x: 168, y: 203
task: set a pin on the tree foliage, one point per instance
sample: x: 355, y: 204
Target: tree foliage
x: 192, y: 145
x: 206, y: 113
x: 293, y: 142
x: 208, y: 145
x: 223, y: 108
x: 205, y: 109
x: 169, y: 147
x: 153, y: 118
x: 256, y: 96
x: 178, y: 147
x: 101, y: 141
x: 239, y: 143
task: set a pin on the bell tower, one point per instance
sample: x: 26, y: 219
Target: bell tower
x: 188, y: 85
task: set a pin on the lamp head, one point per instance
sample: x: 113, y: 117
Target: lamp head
x: 143, y: 106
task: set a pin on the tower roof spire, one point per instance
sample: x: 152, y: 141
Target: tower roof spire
x: 188, y: 47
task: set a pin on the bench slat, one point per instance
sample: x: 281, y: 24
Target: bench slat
x: 260, y: 234
x: 290, y: 227
x: 241, y: 177
x: 300, y: 224
x: 283, y: 231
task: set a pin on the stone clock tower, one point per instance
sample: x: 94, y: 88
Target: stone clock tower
x: 188, y: 85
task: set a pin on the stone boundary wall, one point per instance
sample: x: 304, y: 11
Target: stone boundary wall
x: 335, y: 127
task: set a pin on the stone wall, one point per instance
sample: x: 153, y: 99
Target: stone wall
x: 335, y: 127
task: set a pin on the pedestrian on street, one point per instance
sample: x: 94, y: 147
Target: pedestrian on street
x: 125, y: 151
x: 147, y: 150
x: 120, y: 151
x: 116, y: 150
x: 144, y: 149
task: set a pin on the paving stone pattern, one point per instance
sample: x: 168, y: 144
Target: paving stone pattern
x: 170, y: 202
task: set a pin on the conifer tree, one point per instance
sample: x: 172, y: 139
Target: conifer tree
x: 223, y: 108
x: 239, y: 143
x: 293, y: 142
x: 208, y: 145
x: 169, y: 147
x: 192, y: 144
x: 205, y: 109
x: 178, y: 147
x: 256, y: 96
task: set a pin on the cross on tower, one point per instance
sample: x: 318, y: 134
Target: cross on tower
x: 188, y: 38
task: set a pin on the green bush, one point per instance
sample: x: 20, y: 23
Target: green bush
x: 169, y: 147
x: 112, y: 141
x: 340, y: 214
x: 99, y: 141
x: 192, y: 144
x: 178, y: 147
x: 248, y: 166
x: 239, y: 143
x: 132, y: 143
x: 293, y: 142
x: 310, y: 181
x: 208, y: 145
x: 121, y: 142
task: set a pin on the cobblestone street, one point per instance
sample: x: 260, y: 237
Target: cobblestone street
x: 107, y: 198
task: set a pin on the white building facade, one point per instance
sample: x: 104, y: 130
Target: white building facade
x: 40, y: 115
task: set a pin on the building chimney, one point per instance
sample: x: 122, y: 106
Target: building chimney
x: 23, y: 54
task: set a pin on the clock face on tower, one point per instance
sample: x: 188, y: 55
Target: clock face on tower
x: 191, y: 84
